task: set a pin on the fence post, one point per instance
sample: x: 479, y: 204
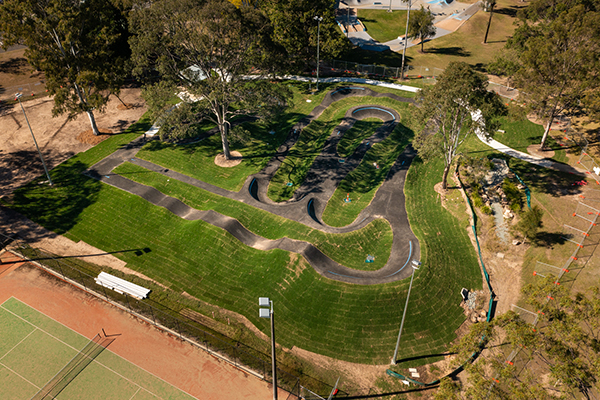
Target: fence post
x: 127, y: 301
x: 82, y: 282
x: 152, y: 313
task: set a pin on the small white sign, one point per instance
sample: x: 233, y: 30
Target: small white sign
x: 412, y: 370
x: 415, y: 375
x: 406, y: 383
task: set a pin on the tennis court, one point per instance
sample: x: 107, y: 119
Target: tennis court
x: 35, y: 348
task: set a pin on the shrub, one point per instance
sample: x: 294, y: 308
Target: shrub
x: 513, y: 195
x: 486, y: 210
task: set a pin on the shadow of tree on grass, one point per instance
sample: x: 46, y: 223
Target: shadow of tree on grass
x: 57, y: 207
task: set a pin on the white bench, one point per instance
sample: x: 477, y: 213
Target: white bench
x: 121, y: 286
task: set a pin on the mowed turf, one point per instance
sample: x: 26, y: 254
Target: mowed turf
x: 349, y: 249
x: 34, y: 348
x: 348, y: 322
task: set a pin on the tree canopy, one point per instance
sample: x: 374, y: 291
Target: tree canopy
x: 81, y: 46
x: 458, y: 105
x: 556, y: 358
x: 295, y: 30
x: 555, y: 59
x: 206, y: 49
x: 421, y: 26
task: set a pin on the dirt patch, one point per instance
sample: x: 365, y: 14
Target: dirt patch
x: 360, y: 375
x: 221, y: 161
x: 57, y: 137
x: 450, y: 24
x: 441, y: 193
x: 88, y: 137
x: 534, y: 150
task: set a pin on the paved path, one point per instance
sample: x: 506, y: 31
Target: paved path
x: 309, y: 200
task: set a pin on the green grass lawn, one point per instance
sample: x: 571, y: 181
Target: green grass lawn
x: 350, y: 322
x: 309, y: 145
x: 382, y: 25
x: 354, y: 136
x: 521, y: 133
x: 349, y: 249
x: 362, y: 183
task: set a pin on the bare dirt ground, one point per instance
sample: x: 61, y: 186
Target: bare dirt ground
x: 56, y: 137
x: 221, y: 161
x: 178, y: 363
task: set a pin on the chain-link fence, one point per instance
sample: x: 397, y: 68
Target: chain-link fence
x: 424, y: 73
x: 167, y: 320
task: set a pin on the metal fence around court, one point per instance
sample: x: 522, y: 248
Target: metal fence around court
x: 169, y: 321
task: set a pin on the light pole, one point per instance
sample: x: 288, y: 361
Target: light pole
x: 390, y: 8
x: 405, y: 39
x: 268, y: 313
x: 415, y: 265
x: 318, y: 19
x: 18, y: 97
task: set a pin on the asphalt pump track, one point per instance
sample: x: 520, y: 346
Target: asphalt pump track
x: 309, y: 199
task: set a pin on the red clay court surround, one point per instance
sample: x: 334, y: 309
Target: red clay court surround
x: 178, y: 363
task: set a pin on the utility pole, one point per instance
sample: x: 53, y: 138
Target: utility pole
x: 415, y: 265
x: 405, y: 38
x: 318, y: 19
x: 18, y: 97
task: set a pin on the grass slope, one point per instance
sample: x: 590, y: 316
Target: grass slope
x: 382, y: 25
x: 349, y: 249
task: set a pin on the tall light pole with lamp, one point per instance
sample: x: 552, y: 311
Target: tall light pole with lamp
x: 268, y: 313
x: 405, y: 39
x: 415, y: 265
x: 318, y: 19
x: 18, y: 97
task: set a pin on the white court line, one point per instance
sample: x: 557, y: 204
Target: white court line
x: 99, y: 363
x: 136, y: 392
x: 20, y: 376
x: 21, y: 341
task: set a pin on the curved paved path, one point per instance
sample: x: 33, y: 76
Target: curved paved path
x: 309, y: 200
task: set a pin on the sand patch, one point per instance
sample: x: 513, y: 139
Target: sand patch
x: 534, y: 150
x: 221, y: 161
x: 88, y: 137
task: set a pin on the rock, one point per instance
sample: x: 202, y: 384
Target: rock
x: 500, y: 255
x: 516, y: 242
x: 483, y: 313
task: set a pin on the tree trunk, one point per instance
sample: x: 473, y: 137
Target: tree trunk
x: 422, y: 41
x: 445, y: 177
x: 489, y: 23
x: 93, y: 122
x: 546, y: 132
x: 224, y: 130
